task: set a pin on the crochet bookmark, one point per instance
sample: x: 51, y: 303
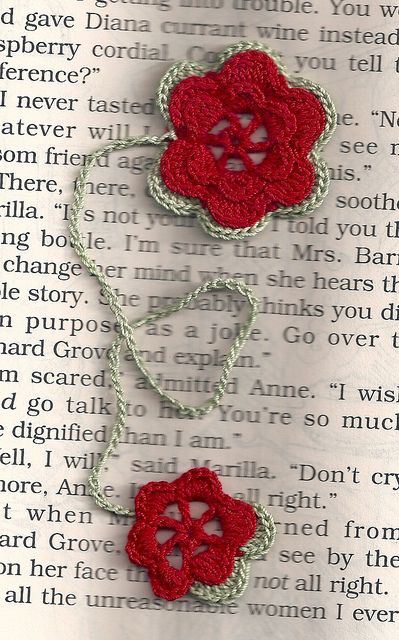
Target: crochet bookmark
x: 243, y: 143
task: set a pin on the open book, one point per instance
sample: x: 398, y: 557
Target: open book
x: 309, y: 424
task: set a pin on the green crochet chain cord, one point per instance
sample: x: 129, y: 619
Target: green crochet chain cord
x: 179, y: 204
x: 126, y: 328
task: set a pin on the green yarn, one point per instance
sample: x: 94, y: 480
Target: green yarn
x: 126, y: 329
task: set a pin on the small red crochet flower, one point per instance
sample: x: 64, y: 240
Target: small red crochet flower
x: 211, y: 566
x: 246, y: 137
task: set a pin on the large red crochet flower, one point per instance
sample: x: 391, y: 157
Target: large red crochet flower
x: 244, y: 139
x: 211, y: 565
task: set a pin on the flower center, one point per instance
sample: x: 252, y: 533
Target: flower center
x: 238, y: 142
x: 188, y: 533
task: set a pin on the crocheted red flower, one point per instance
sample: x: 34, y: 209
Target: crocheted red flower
x: 210, y: 566
x: 244, y: 139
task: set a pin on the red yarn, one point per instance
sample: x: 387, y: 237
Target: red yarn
x: 212, y: 566
x: 293, y: 118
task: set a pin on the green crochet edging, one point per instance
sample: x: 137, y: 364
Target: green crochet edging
x: 236, y: 584
x: 182, y: 205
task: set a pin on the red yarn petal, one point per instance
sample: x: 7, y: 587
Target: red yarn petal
x: 297, y: 186
x: 168, y: 582
x: 214, y: 565
x: 201, y: 165
x: 280, y: 123
x: 310, y: 118
x: 252, y: 69
x: 238, y: 520
x: 236, y: 215
x: 152, y: 500
x: 195, y: 107
x: 277, y: 164
x: 174, y: 170
x: 247, y: 98
x: 199, y: 484
x: 238, y: 186
x: 142, y: 547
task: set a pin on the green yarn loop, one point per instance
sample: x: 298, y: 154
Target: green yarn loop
x: 126, y: 329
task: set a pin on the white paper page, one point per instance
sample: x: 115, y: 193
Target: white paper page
x: 309, y: 424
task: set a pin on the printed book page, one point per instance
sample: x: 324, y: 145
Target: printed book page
x: 309, y: 423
